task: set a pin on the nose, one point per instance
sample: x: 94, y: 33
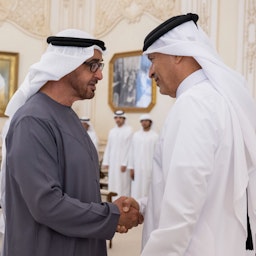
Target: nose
x: 98, y: 74
x: 151, y: 72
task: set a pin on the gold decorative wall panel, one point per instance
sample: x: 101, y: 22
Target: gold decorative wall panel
x: 31, y: 16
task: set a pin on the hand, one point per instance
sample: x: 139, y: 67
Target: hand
x: 123, y: 168
x: 132, y: 174
x: 129, y: 214
x: 131, y: 202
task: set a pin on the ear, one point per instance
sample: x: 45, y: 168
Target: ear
x: 178, y: 59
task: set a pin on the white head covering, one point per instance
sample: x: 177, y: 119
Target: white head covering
x: 91, y: 132
x: 54, y: 64
x: 145, y: 117
x: 86, y: 120
x: 119, y: 113
x: 188, y: 39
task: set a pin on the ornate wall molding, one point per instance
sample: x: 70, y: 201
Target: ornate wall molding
x: 79, y: 14
x: 33, y: 17
x: 110, y: 13
x: 246, y: 59
x: 208, y: 14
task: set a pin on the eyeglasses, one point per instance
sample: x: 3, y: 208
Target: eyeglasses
x: 94, y: 66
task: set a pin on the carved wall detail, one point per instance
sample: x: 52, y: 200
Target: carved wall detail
x: 31, y: 16
x: 249, y: 48
x: 207, y: 11
x: 246, y: 59
x: 204, y: 11
x: 109, y: 13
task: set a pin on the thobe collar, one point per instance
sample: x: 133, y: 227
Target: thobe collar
x: 193, y: 79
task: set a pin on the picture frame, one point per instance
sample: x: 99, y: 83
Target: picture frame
x: 9, y: 62
x: 130, y: 88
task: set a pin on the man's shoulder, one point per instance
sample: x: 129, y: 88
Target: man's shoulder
x: 36, y: 104
x: 40, y: 109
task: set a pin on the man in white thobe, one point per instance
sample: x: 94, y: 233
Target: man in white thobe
x: 91, y: 132
x: 141, y: 157
x: 205, y: 161
x: 115, y: 157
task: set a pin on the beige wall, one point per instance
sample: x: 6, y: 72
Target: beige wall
x: 123, y: 26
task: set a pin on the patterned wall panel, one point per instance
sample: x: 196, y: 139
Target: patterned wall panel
x: 110, y: 12
x: 33, y: 17
x: 208, y: 14
x: 246, y: 60
x: 71, y: 14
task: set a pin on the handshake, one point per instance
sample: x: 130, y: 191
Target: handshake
x: 129, y: 214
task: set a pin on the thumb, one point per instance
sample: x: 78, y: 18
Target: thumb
x: 126, y: 204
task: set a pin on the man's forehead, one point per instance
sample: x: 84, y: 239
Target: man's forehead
x: 153, y: 55
x: 150, y: 55
x: 97, y: 56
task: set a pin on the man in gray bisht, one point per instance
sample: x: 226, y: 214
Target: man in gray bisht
x: 51, y: 192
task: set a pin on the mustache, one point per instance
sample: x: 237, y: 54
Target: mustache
x: 93, y: 81
x: 154, y: 76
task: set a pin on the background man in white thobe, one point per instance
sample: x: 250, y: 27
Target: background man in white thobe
x: 90, y: 130
x: 141, y: 157
x: 115, y: 157
x: 205, y: 162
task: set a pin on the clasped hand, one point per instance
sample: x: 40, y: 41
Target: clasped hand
x: 129, y: 214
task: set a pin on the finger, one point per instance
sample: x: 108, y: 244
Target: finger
x: 141, y: 219
x: 132, y: 203
x: 121, y: 229
x: 126, y: 204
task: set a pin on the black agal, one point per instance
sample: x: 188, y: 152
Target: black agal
x: 73, y: 41
x: 167, y: 26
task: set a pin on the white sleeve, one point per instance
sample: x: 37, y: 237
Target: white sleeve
x: 143, y: 204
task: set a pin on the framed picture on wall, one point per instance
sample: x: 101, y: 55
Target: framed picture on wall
x: 130, y: 88
x: 8, y: 77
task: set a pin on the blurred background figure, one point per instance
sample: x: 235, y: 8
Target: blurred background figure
x: 2, y: 82
x: 115, y: 157
x: 141, y: 157
x: 90, y: 130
